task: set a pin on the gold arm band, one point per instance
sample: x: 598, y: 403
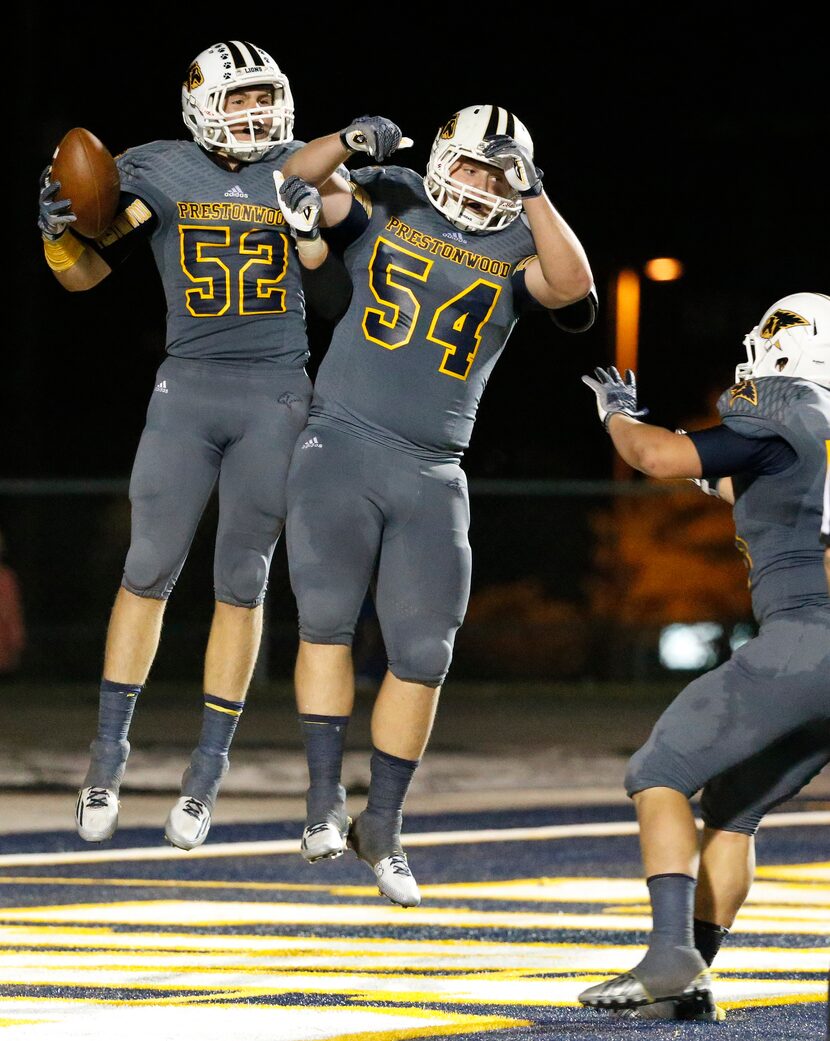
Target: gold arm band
x: 64, y: 252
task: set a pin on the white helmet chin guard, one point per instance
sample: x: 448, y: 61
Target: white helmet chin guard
x: 792, y: 339
x: 216, y: 72
x: 459, y: 138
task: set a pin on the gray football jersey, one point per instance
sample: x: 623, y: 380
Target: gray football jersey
x: 431, y: 311
x: 777, y: 516
x: 229, y: 269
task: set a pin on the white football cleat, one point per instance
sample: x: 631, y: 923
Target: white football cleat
x: 96, y: 814
x: 395, y: 880
x: 324, y: 841
x: 188, y: 823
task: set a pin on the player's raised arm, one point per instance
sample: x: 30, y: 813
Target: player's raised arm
x: 652, y: 450
x: 317, y: 162
x: 560, y: 273
x: 71, y: 261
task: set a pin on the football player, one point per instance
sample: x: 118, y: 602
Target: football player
x: 752, y: 732
x: 442, y: 267
x: 229, y: 400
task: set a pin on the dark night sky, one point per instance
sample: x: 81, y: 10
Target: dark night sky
x: 695, y: 136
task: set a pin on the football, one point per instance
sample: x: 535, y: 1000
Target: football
x: 89, y: 178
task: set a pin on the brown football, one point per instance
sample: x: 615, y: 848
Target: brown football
x: 89, y: 178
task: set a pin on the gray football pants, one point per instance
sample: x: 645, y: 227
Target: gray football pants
x: 208, y: 421
x: 356, y: 507
x: 750, y: 733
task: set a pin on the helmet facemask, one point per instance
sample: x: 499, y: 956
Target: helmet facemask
x: 218, y: 72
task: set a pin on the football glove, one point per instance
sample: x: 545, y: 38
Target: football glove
x: 614, y: 394
x: 53, y: 216
x: 300, y: 204
x: 521, y: 173
x: 375, y: 135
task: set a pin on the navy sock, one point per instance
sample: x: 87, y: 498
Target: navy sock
x: 672, y: 907
x: 324, y: 738
x: 116, y: 703
x: 708, y: 938
x: 219, y: 721
x: 380, y: 823
x: 209, y: 762
x: 110, y: 749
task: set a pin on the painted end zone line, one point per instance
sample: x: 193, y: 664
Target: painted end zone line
x: 426, y: 838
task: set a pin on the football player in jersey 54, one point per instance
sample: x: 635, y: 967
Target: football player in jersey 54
x: 442, y: 267
x: 752, y: 732
x: 227, y: 404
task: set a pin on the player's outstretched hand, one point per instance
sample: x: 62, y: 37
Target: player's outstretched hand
x: 614, y: 394
x: 376, y: 135
x: 522, y: 174
x: 53, y: 216
x: 300, y: 204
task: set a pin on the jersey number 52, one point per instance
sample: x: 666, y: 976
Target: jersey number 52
x: 224, y: 279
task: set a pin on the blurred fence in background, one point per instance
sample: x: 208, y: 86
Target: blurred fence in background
x: 571, y: 579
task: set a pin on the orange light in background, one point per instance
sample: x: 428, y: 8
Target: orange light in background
x: 663, y: 269
x: 628, y: 319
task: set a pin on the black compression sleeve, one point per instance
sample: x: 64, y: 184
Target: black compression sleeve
x: 724, y: 453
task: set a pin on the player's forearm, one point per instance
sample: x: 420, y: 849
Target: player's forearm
x: 317, y: 161
x: 653, y: 450
x: 562, y: 275
x: 726, y: 490
x: 73, y: 263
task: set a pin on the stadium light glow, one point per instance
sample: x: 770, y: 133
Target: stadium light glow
x: 663, y: 269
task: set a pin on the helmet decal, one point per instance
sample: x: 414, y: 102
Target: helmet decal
x: 194, y: 77
x: 780, y: 320
x: 449, y: 127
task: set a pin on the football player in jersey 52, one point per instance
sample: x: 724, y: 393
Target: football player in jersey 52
x: 442, y: 267
x: 752, y: 732
x: 227, y: 404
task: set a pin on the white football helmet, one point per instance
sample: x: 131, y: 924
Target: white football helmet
x: 233, y: 66
x: 792, y: 339
x: 460, y: 137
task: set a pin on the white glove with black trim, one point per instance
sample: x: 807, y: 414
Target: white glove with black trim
x: 301, y: 205
x: 614, y: 394
x: 522, y: 174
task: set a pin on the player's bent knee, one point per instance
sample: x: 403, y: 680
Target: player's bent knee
x: 720, y: 816
x: 648, y: 769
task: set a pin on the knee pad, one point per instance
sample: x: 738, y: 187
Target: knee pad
x: 719, y: 814
x: 241, y: 569
x: 146, y: 573
x: 425, y: 661
x: 653, y: 767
